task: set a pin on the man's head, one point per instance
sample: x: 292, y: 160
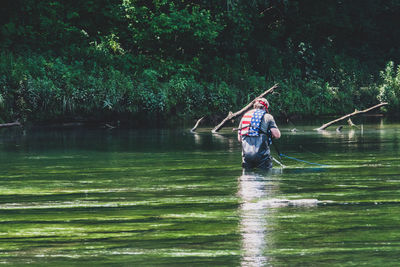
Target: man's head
x: 261, y: 103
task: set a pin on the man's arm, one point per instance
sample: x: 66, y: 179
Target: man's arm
x: 275, y: 133
x: 239, y: 136
x: 269, y: 123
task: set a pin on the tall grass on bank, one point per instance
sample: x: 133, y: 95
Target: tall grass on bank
x: 48, y: 88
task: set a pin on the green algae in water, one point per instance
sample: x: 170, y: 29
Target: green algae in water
x: 167, y: 197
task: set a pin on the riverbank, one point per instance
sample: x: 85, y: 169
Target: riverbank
x: 292, y: 123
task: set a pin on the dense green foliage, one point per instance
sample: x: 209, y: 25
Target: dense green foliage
x: 126, y: 58
x: 389, y: 91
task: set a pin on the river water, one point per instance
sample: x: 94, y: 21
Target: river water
x: 150, y: 197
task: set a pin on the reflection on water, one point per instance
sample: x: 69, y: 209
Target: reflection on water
x: 351, y: 134
x: 259, y: 193
x: 253, y: 188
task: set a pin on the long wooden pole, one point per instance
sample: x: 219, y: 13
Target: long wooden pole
x: 247, y: 107
x: 326, y: 125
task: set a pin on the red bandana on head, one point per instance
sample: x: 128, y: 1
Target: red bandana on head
x: 265, y: 105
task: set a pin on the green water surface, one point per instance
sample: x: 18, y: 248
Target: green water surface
x: 127, y: 197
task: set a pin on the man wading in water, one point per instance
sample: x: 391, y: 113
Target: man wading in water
x: 255, y: 128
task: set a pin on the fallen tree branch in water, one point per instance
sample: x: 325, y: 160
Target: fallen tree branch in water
x: 11, y: 124
x: 247, y: 107
x: 109, y: 126
x: 326, y: 125
x: 197, y: 124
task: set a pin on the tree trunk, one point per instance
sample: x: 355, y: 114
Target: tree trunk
x: 197, y: 124
x: 326, y: 125
x: 234, y: 115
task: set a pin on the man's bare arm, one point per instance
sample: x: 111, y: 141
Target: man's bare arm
x: 275, y: 133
